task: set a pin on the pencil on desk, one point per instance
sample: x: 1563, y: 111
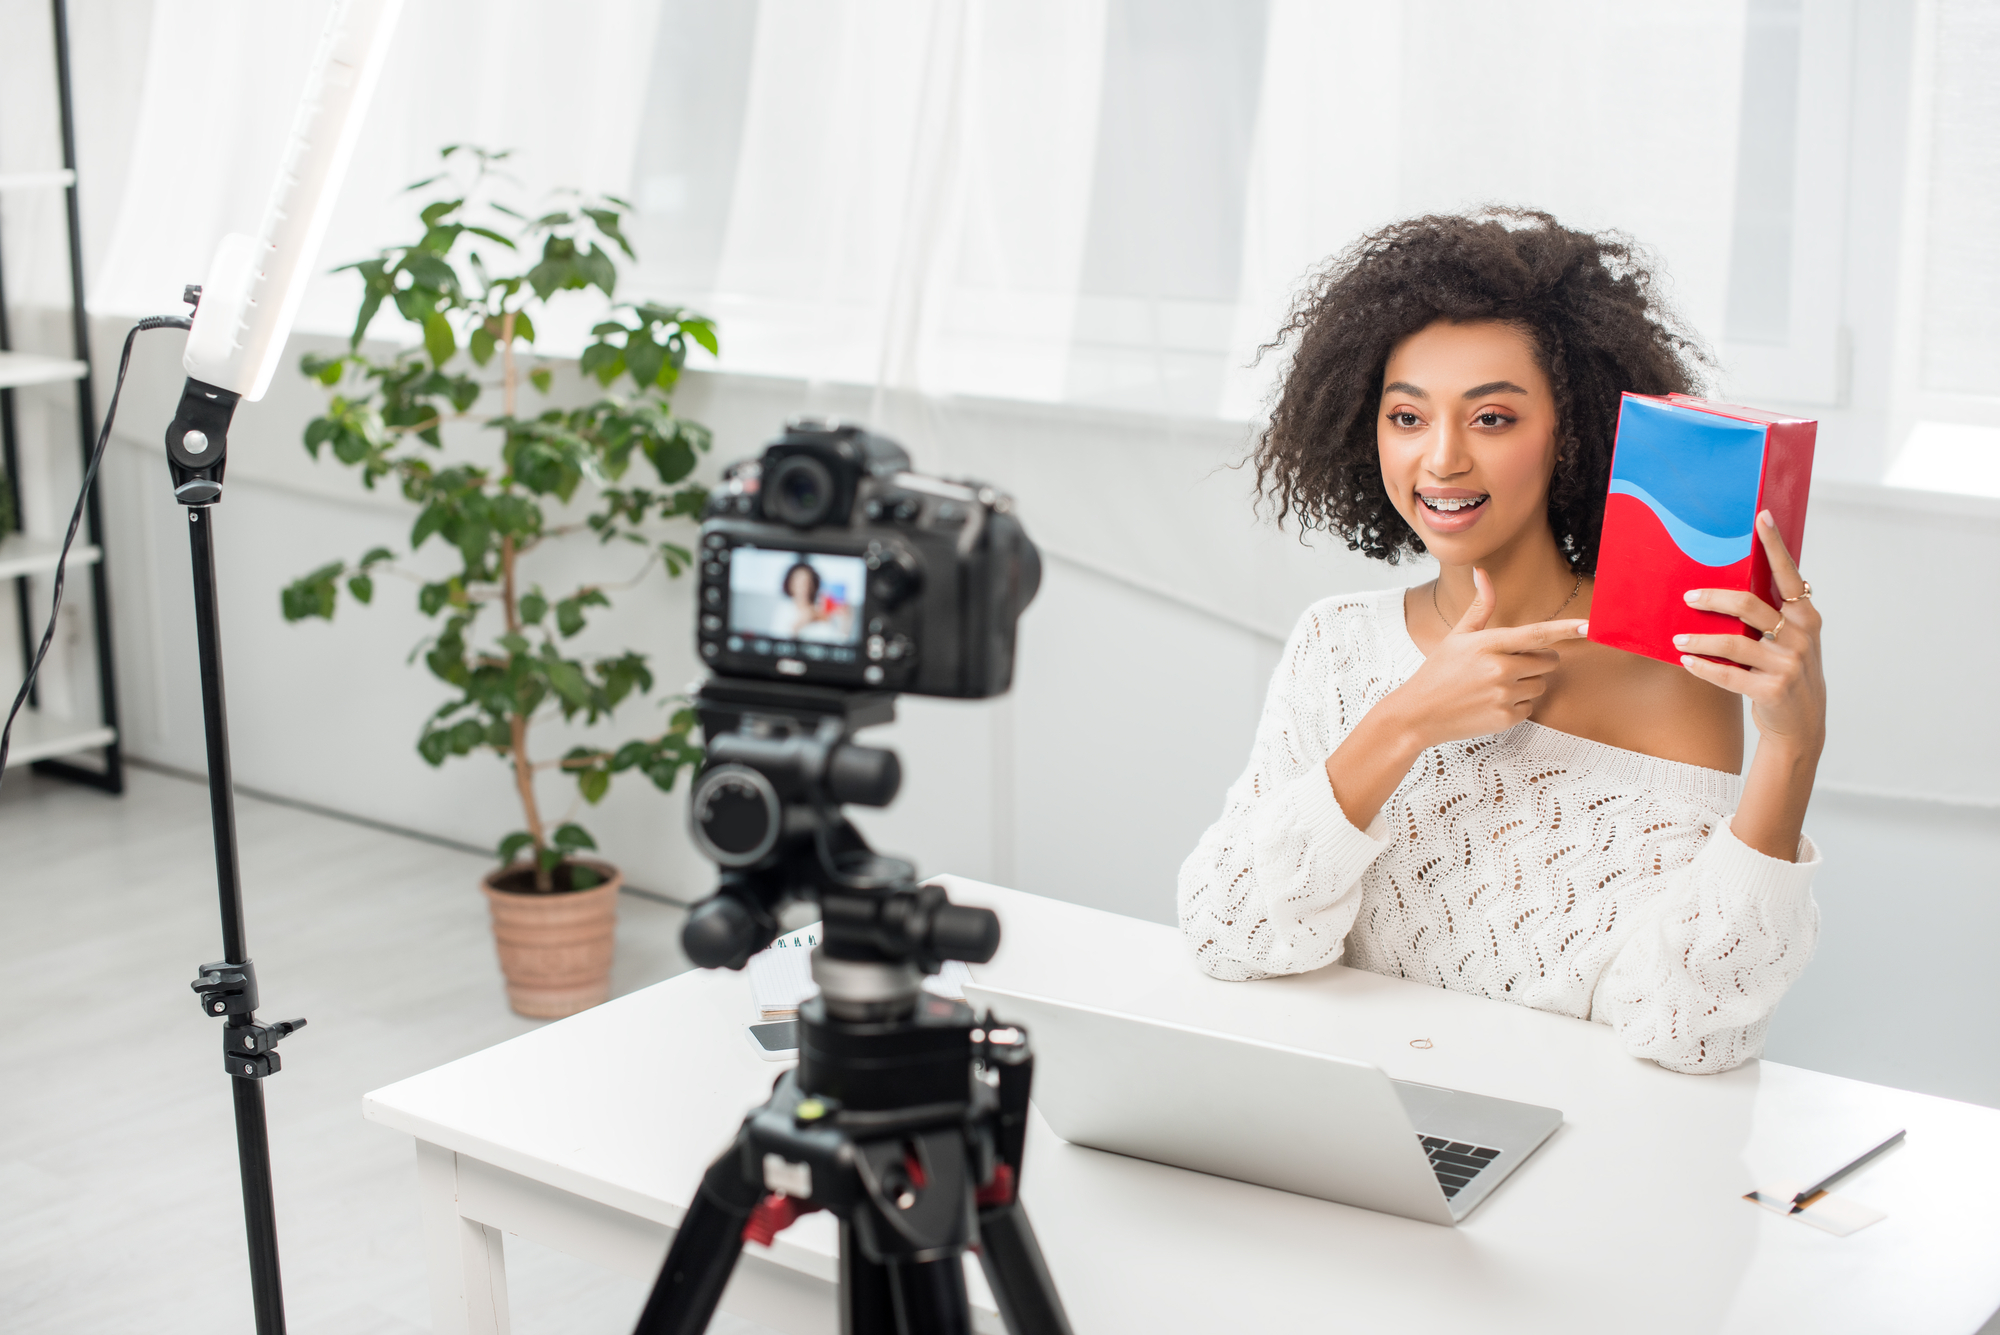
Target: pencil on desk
x: 1817, y: 1189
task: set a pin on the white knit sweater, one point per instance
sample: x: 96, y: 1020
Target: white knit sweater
x: 1528, y: 866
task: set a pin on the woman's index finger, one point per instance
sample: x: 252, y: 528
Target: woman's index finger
x: 1539, y: 634
x: 1782, y: 565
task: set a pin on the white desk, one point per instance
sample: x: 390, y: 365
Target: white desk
x: 590, y: 1135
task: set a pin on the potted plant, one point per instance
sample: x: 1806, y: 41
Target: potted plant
x: 474, y: 285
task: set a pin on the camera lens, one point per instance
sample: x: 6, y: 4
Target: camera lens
x: 799, y: 491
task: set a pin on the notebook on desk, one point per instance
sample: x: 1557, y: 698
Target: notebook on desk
x: 1264, y: 1113
x: 781, y: 975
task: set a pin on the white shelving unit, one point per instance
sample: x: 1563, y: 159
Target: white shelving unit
x: 25, y: 368
x: 37, y: 738
x: 22, y: 555
x: 59, y: 725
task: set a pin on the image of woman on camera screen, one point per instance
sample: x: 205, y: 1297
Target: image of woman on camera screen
x: 1449, y: 782
x: 809, y: 614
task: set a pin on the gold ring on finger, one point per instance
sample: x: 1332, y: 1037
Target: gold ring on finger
x: 1805, y: 592
x: 1772, y: 633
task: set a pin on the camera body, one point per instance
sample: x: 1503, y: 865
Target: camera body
x: 828, y: 562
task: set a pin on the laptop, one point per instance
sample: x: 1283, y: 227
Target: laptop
x: 1268, y: 1114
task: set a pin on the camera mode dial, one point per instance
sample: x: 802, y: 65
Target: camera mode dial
x: 893, y: 576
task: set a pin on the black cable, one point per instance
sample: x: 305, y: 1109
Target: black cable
x: 75, y: 520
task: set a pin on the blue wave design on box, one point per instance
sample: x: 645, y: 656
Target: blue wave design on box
x: 1698, y: 472
x: 1705, y: 548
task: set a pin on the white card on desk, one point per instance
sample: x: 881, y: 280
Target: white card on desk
x: 1838, y: 1215
x: 781, y: 975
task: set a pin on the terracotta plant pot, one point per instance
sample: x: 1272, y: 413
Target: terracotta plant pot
x: 555, y: 949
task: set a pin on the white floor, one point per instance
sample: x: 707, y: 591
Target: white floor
x: 119, y: 1207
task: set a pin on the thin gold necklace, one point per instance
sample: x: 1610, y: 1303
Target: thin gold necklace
x: 1449, y: 624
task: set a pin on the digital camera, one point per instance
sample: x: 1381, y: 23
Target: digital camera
x: 827, y: 561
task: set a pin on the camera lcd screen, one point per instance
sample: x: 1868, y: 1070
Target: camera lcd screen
x: 806, y: 603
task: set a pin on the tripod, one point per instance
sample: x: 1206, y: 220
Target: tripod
x: 907, y: 1114
x: 196, y: 448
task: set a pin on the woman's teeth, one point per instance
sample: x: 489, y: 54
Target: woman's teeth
x: 1451, y: 504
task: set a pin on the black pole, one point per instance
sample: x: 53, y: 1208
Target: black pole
x: 253, y: 1147
x: 10, y: 464
x: 215, y: 723
x: 112, y: 777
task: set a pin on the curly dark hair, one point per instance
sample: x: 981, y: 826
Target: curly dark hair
x: 786, y: 584
x: 1590, y: 304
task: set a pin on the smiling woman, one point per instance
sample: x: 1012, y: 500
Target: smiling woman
x: 1450, y: 782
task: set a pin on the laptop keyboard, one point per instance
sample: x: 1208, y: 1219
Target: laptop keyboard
x: 1455, y: 1162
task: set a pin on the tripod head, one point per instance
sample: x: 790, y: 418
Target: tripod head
x: 766, y: 809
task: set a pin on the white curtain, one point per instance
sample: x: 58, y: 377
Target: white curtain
x: 560, y: 84
x: 1102, y: 202
x: 1032, y: 199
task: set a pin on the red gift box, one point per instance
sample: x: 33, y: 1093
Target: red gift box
x: 1687, y: 480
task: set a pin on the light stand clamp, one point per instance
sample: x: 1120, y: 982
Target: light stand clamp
x: 249, y: 1049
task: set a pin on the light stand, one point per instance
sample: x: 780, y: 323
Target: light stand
x: 228, y: 987
x: 236, y: 340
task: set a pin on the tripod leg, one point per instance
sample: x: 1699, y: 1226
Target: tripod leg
x: 1022, y: 1286
x: 930, y: 1297
x: 705, y: 1249
x: 867, y: 1301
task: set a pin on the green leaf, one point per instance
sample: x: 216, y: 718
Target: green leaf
x: 703, y: 332
x: 376, y: 556
x: 482, y: 345
x: 511, y: 846
x: 582, y: 877
x: 607, y: 223
x: 442, y: 208
x: 534, y: 606
x: 524, y: 328
x: 431, y: 274
x: 593, y: 784
x: 432, y: 746
x: 598, y: 270
x: 644, y: 358
x: 363, y: 588
x: 312, y: 595
x: 371, y: 302
x: 432, y: 598
x: 439, y: 341
x: 318, y: 431
x: 541, y: 378
x: 568, y: 681
x: 603, y: 360
x: 570, y: 836
x: 326, y: 370
x: 569, y: 617
x: 430, y: 521
x: 548, y: 859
